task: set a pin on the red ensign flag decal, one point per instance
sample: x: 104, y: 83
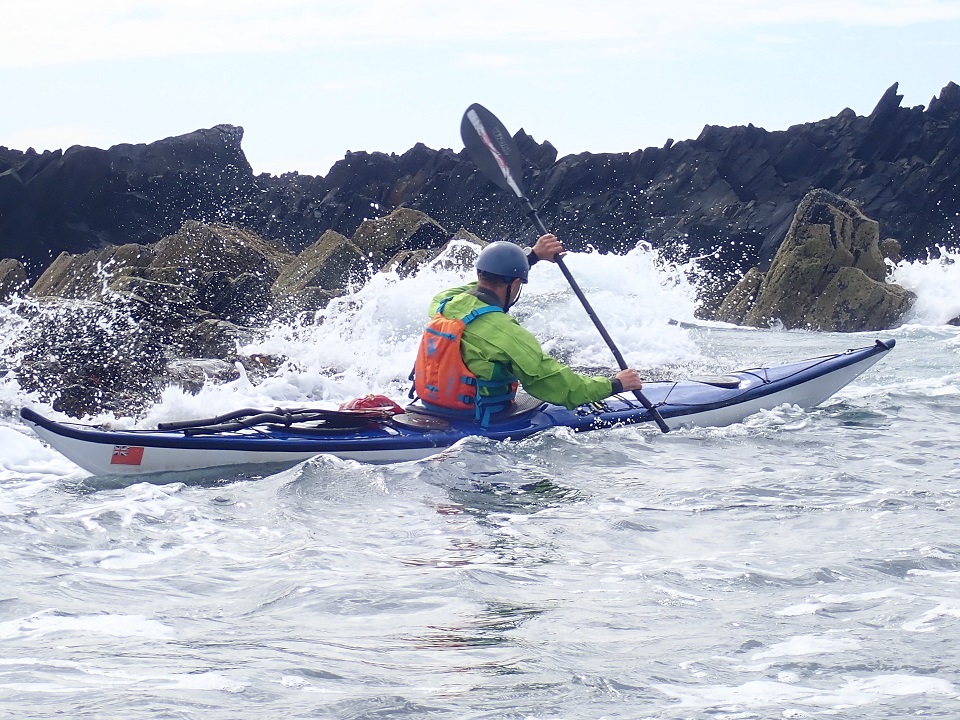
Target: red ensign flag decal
x: 127, y: 455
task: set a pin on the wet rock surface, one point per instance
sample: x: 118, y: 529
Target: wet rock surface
x: 108, y: 329
x: 829, y: 274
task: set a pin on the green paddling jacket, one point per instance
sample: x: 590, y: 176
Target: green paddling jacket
x: 495, y: 347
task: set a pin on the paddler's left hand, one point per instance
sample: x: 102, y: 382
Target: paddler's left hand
x: 548, y: 247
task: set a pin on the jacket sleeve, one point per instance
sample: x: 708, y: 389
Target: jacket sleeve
x: 540, y: 375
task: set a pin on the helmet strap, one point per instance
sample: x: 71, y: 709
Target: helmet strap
x: 507, y: 304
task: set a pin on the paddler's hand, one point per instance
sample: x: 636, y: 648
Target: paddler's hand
x: 548, y: 247
x: 629, y: 380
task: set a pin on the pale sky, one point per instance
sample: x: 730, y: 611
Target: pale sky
x: 309, y: 80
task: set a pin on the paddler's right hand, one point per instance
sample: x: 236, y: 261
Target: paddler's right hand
x: 548, y: 247
x: 629, y: 379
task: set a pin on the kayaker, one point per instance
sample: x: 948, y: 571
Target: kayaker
x: 472, y: 348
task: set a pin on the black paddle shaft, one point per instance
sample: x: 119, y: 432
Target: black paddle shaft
x: 576, y: 289
x: 497, y: 156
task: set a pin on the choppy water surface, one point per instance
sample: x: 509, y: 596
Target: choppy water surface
x: 801, y: 564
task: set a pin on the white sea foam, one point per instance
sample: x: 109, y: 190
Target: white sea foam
x: 25, y: 458
x: 800, y: 609
x: 947, y: 612
x: 758, y: 694
x: 808, y: 645
x: 204, y: 681
x: 836, y: 602
x: 951, y: 575
x: 142, y: 500
x: 936, y: 281
x: 49, y: 622
x: 129, y: 560
x: 86, y: 677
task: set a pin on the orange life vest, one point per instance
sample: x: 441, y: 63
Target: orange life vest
x: 442, y: 380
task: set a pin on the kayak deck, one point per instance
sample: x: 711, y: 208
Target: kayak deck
x: 416, y: 434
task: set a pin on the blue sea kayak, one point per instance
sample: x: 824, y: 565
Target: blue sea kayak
x: 287, y: 436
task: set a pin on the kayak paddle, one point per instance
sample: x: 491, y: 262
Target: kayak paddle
x: 497, y: 156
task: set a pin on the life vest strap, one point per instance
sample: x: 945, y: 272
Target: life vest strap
x: 483, y: 412
x: 438, y: 333
x: 475, y: 313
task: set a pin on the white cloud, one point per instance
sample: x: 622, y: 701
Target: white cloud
x: 55, y: 32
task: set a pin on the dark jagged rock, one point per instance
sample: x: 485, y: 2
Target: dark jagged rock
x: 739, y: 301
x: 84, y: 276
x: 333, y: 263
x: 86, y: 198
x: 829, y: 274
x: 191, y: 375
x: 402, y: 229
x: 86, y: 357
x: 891, y: 250
x: 728, y: 195
x: 229, y: 269
x: 458, y: 253
x: 200, y: 270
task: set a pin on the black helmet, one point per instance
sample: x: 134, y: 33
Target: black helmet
x: 504, y: 259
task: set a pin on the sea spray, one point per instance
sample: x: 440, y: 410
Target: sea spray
x: 82, y: 356
x: 366, y: 340
x: 936, y: 281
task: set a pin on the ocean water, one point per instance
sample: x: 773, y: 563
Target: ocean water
x: 801, y: 564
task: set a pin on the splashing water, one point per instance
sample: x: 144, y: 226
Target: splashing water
x: 936, y: 281
x: 367, y: 340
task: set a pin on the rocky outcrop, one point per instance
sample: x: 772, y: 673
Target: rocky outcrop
x: 829, y: 274
x: 728, y: 195
x: 110, y: 328
x: 13, y: 278
x: 737, y: 304
x: 457, y: 253
x: 199, y: 271
x: 330, y: 263
x: 86, y: 198
x: 403, y: 229
x: 327, y: 268
x: 85, y: 356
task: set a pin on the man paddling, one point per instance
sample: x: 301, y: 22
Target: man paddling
x: 473, y: 354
